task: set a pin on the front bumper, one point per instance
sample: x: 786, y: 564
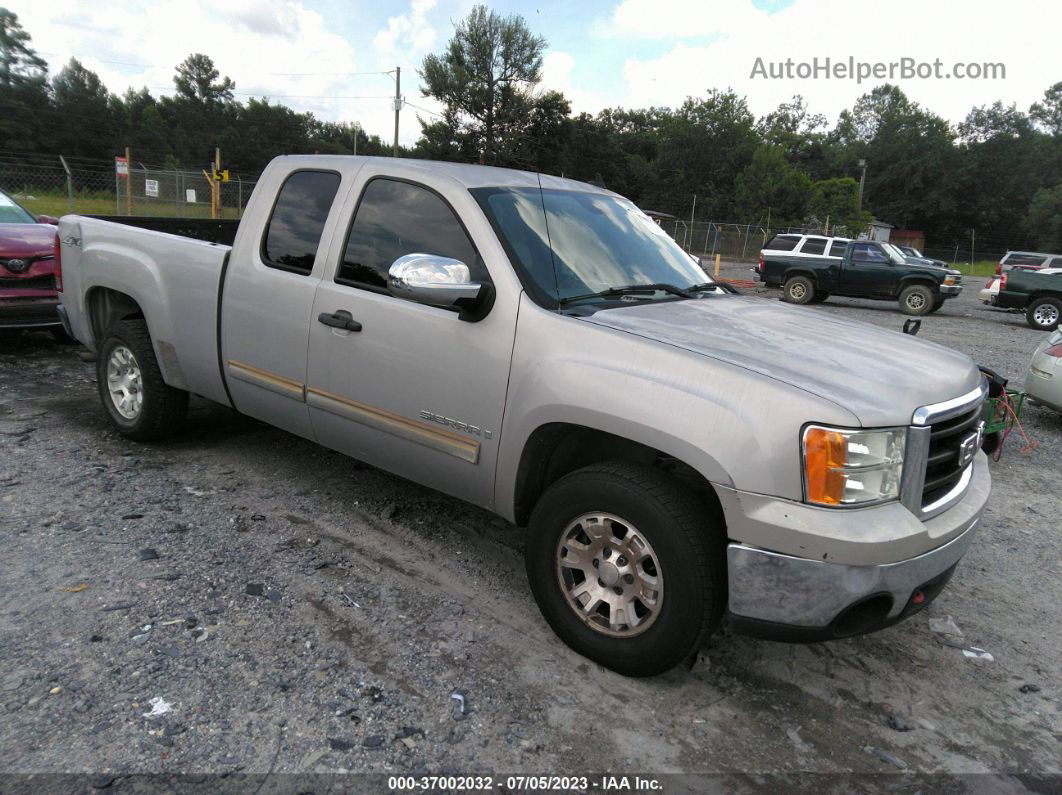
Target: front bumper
x: 855, y: 571
x: 28, y: 313
x: 780, y: 597
x: 950, y: 290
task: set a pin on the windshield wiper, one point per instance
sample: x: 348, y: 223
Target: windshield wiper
x: 630, y: 289
x: 712, y: 286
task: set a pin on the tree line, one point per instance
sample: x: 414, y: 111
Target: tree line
x: 998, y: 172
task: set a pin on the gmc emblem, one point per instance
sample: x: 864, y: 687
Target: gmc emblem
x: 969, y: 446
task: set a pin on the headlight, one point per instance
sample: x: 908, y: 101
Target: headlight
x: 848, y: 467
x: 949, y: 280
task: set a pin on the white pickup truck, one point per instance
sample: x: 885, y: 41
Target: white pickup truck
x: 539, y: 347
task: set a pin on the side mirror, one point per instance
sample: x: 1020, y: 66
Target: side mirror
x: 47, y: 219
x: 433, y: 280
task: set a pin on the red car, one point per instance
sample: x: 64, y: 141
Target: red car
x: 28, y: 297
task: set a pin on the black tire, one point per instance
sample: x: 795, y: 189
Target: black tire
x: 937, y: 305
x: 798, y: 290
x: 61, y: 337
x: 1044, y: 313
x: 819, y: 297
x: 684, y: 537
x: 916, y: 300
x: 163, y: 408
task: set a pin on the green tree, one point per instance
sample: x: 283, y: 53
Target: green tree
x: 24, y: 100
x: 197, y: 80
x: 1048, y: 112
x: 485, y: 79
x: 911, y: 159
x: 704, y: 144
x: 770, y: 184
x: 837, y: 200
x: 78, y: 94
x: 1044, y: 219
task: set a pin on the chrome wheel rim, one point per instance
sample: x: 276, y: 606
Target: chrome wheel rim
x: 797, y: 291
x: 916, y: 301
x: 610, y: 575
x: 1045, y: 315
x: 124, y: 384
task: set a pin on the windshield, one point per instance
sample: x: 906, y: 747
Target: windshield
x: 894, y: 253
x: 592, y: 243
x: 12, y: 213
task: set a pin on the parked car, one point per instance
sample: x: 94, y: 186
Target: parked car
x: 541, y: 348
x: 1037, y: 292
x: 28, y: 298
x: 914, y: 255
x: 1043, y: 381
x: 859, y: 269
x: 990, y: 291
x: 1027, y: 260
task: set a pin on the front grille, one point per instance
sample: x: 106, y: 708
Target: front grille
x: 32, y: 283
x: 942, y: 469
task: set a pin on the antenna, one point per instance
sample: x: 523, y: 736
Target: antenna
x: 549, y: 240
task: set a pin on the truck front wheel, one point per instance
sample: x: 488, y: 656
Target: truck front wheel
x: 916, y: 300
x: 798, y: 290
x: 627, y: 567
x: 1043, y: 314
x: 140, y: 405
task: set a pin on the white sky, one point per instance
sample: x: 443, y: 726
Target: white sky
x: 633, y: 53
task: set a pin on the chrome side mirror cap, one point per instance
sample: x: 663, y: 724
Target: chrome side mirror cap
x: 433, y: 280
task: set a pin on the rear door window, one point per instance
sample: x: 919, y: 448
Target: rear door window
x: 782, y: 243
x: 293, y: 232
x: 837, y: 248
x: 814, y: 245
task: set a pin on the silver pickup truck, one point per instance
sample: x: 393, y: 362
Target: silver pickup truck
x: 539, y: 347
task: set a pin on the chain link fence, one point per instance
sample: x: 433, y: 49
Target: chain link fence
x: 58, y: 185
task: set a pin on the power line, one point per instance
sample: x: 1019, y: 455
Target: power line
x: 272, y: 74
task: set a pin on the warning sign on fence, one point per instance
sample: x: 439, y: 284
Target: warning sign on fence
x: 151, y: 188
x: 189, y: 195
x: 121, y: 167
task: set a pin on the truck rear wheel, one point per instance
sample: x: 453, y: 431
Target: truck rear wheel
x: 798, y: 290
x: 138, y: 402
x: 916, y: 300
x: 1043, y: 314
x: 627, y: 567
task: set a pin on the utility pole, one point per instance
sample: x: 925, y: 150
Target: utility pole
x: 862, y: 180
x: 398, y: 103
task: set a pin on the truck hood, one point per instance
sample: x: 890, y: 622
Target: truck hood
x: 935, y: 265
x: 880, y: 376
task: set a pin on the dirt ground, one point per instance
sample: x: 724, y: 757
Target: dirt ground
x: 238, y: 600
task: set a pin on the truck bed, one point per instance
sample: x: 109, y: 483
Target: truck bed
x: 175, y: 279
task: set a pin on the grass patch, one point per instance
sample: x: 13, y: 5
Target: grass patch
x: 985, y: 267
x: 59, y: 205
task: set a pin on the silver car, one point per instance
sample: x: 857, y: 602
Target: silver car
x: 1043, y: 382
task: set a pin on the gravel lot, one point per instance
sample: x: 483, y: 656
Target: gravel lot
x: 238, y: 600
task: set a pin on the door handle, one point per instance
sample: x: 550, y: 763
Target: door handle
x: 341, y: 318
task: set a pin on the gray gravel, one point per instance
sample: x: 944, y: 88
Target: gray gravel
x: 240, y: 600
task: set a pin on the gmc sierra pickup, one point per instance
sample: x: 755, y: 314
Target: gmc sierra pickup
x: 541, y: 348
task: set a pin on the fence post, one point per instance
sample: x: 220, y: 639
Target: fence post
x: 69, y: 185
x: 176, y: 194
x: 239, y: 190
x: 743, y: 245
